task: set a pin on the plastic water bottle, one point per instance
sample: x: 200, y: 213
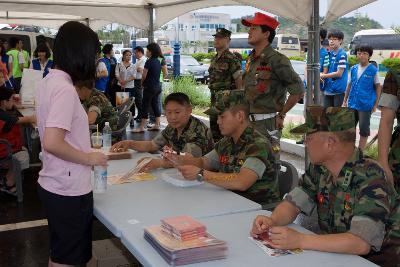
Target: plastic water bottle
x: 106, y: 136
x: 100, y: 179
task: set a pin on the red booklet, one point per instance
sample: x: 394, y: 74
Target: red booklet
x: 183, y: 226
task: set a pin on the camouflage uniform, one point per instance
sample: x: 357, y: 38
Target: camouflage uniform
x: 99, y: 103
x: 267, y: 79
x: 360, y: 201
x: 390, y: 98
x: 195, y: 138
x: 390, y: 252
x: 252, y: 151
x: 224, y: 70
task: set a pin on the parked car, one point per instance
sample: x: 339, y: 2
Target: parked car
x: 189, y: 67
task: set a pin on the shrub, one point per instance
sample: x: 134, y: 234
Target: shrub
x: 286, y: 131
x: 352, y: 61
x: 371, y: 151
x: 210, y: 55
x: 299, y: 58
x: 391, y: 63
x: 188, y: 85
x: 200, y: 56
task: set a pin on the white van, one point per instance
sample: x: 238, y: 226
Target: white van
x: 287, y: 43
x: 29, y: 39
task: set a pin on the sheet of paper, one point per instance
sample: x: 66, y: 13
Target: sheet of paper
x: 273, y: 252
x: 173, y: 176
x: 30, y: 78
x: 134, y: 175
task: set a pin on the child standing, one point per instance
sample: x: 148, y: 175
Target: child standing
x: 336, y: 78
x: 363, y: 91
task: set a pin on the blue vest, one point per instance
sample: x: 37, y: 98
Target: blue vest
x: 322, y: 53
x: 362, y: 93
x: 5, y: 59
x: 101, y: 83
x: 336, y: 85
x: 36, y: 66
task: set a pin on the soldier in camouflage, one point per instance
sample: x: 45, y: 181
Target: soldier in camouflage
x: 242, y: 161
x: 390, y: 251
x: 225, y: 73
x: 268, y: 76
x: 354, y: 200
x: 184, y: 134
x: 99, y: 109
x: 389, y: 104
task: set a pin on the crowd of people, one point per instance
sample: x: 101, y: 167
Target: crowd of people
x: 356, y: 197
x: 14, y: 59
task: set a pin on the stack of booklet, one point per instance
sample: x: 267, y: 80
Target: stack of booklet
x: 183, y: 228
x: 183, y: 240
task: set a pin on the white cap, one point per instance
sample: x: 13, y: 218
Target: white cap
x: 106, y: 123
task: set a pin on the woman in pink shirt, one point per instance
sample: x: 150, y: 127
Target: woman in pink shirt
x: 64, y: 181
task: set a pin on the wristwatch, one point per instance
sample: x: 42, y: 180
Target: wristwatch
x: 199, y: 176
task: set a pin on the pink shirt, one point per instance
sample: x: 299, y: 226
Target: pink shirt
x: 58, y: 106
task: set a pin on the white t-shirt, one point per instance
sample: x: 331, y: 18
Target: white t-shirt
x: 140, y: 64
x: 125, y: 73
x: 101, y: 67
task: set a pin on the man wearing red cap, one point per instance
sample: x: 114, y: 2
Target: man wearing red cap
x: 268, y: 77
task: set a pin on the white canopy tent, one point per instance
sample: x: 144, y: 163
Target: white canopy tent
x: 53, y: 21
x: 339, y: 8
x: 137, y: 12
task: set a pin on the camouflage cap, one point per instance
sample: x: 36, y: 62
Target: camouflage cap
x: 222, y: 32
x: 331, y: 119
x: 226, y: 99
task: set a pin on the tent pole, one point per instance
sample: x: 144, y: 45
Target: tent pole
x: 151, y: 24
x: 312, y: 94
x: 317, y: 43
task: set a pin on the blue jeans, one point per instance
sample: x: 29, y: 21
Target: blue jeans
x: 363, y: 119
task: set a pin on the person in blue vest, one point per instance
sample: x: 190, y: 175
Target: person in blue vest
x: 336, y: 78
x: 42, y: 61
x: 102, y: 72
x: 363, y: 91
x: 111, y: 63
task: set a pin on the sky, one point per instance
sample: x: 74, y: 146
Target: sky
x: 386, y: 12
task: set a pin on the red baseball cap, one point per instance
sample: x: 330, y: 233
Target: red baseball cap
x: 261, y: 19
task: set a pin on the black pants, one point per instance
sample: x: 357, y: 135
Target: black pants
x: 136, y: 92
x: 151, y: 111
x: 150, y: 98
x: 333, y: 100
x: 112, y: 88
x: 17, y: 84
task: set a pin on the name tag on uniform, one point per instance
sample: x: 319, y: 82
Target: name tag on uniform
x: 263, y: 68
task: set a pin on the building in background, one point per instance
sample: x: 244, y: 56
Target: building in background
x: 194, y: 30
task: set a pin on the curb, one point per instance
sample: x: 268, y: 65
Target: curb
x: 287, y: 145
